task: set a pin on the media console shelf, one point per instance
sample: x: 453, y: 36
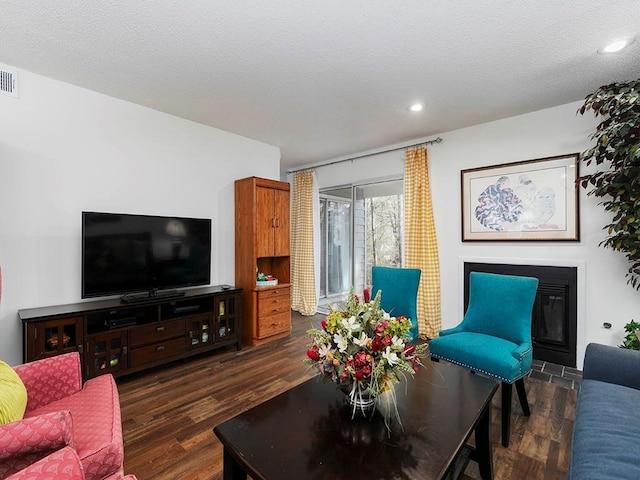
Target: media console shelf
x: 120, y: 338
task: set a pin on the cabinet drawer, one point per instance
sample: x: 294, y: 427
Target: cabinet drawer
x: 158, y: 351
x: 157, y: 332
x: 274, y: 302
x: 273, y: 324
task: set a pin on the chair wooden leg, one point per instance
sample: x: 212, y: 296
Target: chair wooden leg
x: 522, y: 395
x: 506, y: 412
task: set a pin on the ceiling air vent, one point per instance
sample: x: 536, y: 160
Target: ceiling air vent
x: 8, y: 81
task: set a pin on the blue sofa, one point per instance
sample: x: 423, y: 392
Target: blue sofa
x: 606, y: 433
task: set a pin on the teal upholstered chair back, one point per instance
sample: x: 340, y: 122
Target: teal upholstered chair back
x: 399, y: 292
x: 506, y: 316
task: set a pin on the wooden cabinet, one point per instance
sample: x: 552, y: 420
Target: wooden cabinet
x: 107, y: 352
x: 272, y: 222
x: 262, y: 240
x: 157, y: 342
x: 118, y: 338
x: 200, y: 330
x: 55, y: 336
x: 227, y: 319
x: 274, y: 311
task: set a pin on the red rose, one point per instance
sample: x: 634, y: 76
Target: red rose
x: 359, y: 375
x: 381, y: 326
x: 361, y: 358
x: 387, y: 340
x: 313, y: 354
x: 323, y: 324
x: 376, y: 345
x: 366, y: 295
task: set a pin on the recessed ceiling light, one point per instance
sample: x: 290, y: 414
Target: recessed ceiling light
x: 416, y: 107
x: 616, y: 45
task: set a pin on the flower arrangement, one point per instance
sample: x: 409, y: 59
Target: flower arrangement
x: 364, y: 351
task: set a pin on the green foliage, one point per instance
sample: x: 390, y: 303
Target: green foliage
x: 631, y: 340
x: 617, y: 146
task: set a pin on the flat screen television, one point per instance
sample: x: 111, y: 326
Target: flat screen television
x: 123, y: 253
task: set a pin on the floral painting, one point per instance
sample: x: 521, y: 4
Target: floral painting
x: 530, y: 200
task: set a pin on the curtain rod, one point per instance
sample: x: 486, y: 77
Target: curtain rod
x: 428, y: 142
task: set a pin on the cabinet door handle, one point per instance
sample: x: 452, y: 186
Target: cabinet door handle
x: 160, y: 348
x: 159, y: 329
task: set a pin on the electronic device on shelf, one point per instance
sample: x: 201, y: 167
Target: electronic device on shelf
x: 112, y: 323
x: 129, y: 254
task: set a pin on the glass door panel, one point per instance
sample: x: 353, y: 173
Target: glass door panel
x: 335, y: 229
x: 107, y: 352
x: 381, y: 207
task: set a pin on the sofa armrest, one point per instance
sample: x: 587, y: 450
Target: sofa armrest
x: 609, y: 364
x: 46, y: 432
x: 63, y: 463
x: 50, y: 379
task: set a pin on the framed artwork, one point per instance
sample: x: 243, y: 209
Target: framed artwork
x: 530, y: 200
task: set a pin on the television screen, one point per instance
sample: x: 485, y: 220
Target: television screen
x: 124, y: 253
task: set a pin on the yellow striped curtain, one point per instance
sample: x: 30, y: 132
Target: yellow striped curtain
x: 303, y: 288
x: 421, y: 247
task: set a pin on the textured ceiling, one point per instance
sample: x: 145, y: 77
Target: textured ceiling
x: 323, y: 79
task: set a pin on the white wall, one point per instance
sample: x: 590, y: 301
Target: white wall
x: 64, y: 149
x: 554, y: 131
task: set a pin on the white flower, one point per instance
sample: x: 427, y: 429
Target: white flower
x: 390, y: 357
x: 351, y: 325
x: 397, y: 342
x: 362, y: 340
x: 324, y: 350
x: 340, y: 342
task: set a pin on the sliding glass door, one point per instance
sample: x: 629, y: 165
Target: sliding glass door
x: 361, y: 226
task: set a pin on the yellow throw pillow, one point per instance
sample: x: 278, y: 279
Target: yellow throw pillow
x: 13, y: 395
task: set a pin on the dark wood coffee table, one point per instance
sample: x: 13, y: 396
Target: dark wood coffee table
x: 308, y: 433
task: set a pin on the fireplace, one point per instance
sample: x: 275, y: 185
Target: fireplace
x: 554, y: 320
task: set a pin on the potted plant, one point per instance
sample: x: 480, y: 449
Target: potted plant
x: 617, y: 146
x: 631, y: 340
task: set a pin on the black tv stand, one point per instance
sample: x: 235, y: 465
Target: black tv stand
x: 123, y: 338
x: 151, y: 295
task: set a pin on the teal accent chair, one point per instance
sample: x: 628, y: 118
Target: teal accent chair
x: 494, y: 337
x: 399, y: 293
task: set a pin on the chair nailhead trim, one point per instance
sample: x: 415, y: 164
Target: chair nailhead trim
x: 469, y: 367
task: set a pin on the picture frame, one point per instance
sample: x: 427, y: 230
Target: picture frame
x: 531, y: 200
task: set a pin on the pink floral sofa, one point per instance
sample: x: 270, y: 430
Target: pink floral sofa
x: 65, y: 424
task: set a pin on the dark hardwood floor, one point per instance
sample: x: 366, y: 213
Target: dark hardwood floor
x: 168, y: 413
